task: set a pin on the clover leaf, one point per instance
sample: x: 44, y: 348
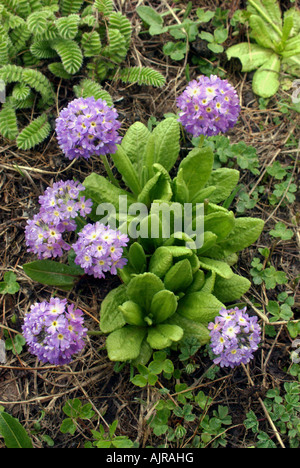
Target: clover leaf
x: 9, y: 285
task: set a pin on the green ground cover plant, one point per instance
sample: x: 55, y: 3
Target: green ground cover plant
x: 45, y: 42
x: 275, y: 48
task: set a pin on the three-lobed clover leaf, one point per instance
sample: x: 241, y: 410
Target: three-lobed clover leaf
x: 10, y: 284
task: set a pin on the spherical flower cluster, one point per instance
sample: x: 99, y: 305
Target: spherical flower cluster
x: 54, y: 331
x: 234, y: 337
x: 60, y: 205
x: 87, y: 127
x: 99, y: 249
x: 208, y: 106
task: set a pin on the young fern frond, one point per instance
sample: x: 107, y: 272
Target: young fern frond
x: 34, y: 5
x: 27, y: 103
x: 99, y: 68
x: 70, y: 6
x: 140, y: 75
x: 40, y: 83
x: 20, y: 92
x: 10, y: 5
x: 105, y: 7
x: 68, y: 26
x: 37, y: 22
x: 91, y: 44
x: 67, y: 31
x: 88, y: 20
x: 30, y: 60
x: 88, y: 88
x: 8, y: 122
x: 19, y: 37
x: 23, y: 8
x: 37, y: 131
x: 42, y: 50
x: 49, y: 34
x: 116, y: 51
x: 4, y: 59
x: 70, y: 54
x: 12, y: 21
x: 122, y: 24
x: 10, y: 73
x: 58, y: 70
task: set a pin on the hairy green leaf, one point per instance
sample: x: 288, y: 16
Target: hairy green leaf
x: 200, y: 307
x: 125, y: 344
x: 111, y: 318
x: 251, y: 55
x: 266, y: 79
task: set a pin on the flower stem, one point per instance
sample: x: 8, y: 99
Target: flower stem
x: 94, y: 332
x: 201, y: 141
x: 108, y: 170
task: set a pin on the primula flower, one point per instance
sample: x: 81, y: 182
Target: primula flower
x: 54, y: 331
x: 87, y: 127
x: 99, y: 249
x: 208, y: 106
x: 59, y: 208
x: 234, y: 337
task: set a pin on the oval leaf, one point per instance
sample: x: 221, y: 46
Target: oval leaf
x: 162, y: 336
x: 191, y: 329
x: 229, y: 290
x: 196, y: 169
x: 200, y: 307
x: 163, y: 305
x: 252, y: 56
x: 167, y: 135
x: 125, y: 344
x: 142, y: 288
x: 220, y: 268
x: 132, y: 313
x: 53, y: 273
x: 179, y: 277
x: 13, y: 432
x: 161, y: 261
x: 246, y: 231
x: 111, y: 317
x: 266, y: 79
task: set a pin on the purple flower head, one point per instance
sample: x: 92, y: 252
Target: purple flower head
x: 208, y: 106
x: 87, y: 127
x: 234, y: 337
x: 54, y: 332
x: 60, y: 205
x: 99, y: 249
